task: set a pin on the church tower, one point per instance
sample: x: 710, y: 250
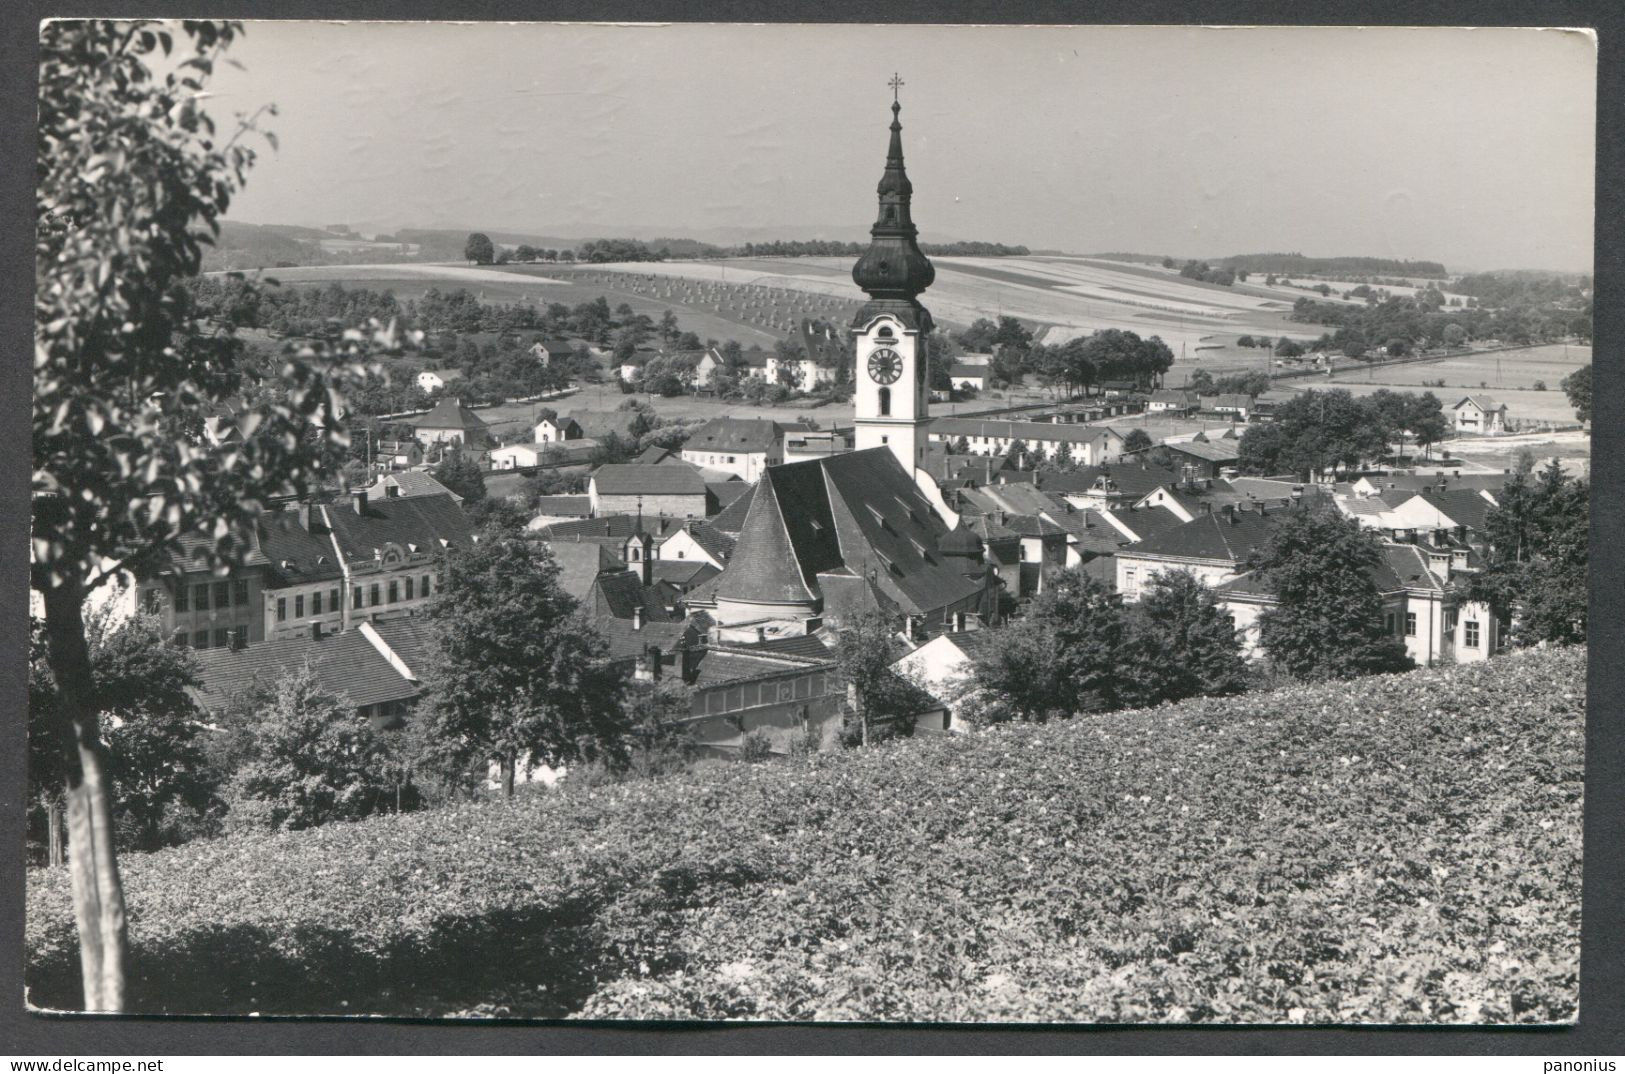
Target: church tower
x: 890, y: 369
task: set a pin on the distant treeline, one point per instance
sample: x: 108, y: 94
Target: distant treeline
x: 831, y: 248
x: 1298, y: 264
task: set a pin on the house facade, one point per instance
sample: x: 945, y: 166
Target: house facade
x: 1480, y: 415
x: 743, y: 447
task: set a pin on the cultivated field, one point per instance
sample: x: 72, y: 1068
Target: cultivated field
x: 758, y: 300
x: 1508, y: 376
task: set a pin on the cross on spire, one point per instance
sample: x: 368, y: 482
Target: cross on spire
x: 896, y: 83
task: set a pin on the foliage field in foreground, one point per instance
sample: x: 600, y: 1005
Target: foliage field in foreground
x: 1403, y: 848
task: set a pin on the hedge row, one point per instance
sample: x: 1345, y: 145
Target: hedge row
x: 1400, y: 849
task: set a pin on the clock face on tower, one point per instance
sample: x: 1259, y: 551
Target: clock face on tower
x: 885, y: 366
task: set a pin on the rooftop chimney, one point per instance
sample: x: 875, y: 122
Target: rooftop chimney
x: 358, y: 499
x: 637, y: 617
x: 1230, y: 513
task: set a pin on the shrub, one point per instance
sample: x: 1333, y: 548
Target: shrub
x: 1405, y: 848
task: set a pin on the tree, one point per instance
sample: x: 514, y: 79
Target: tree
x: 309, y: 761
x: 461, y: 474
x: 1286, y: 348
x: 1536, y: 566
x: 1328, y: 620
x: 1577, y: 386
x: 1454, y: 334
x: 155, y: 761
x: 524, y: 252
x: 1061, y: 658
x: 479, y: 249
x: 1180, y: 644
x: 132, y: 180
x: 1202, y: 380
x: 865, y: 650
x: 1136, y: 440
x: 520, y: 672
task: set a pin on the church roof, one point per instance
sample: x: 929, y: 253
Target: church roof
x: 765, y: 566
x: 893, y: 269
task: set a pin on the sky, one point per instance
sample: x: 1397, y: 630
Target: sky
x: 1471, y: 147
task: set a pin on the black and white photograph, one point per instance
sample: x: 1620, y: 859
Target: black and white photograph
x: 809, y: 523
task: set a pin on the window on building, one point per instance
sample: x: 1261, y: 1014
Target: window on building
x: 200, y: 639
x: 885, y: 401
x: 222, y: 594
x: 281, y: 609
x: 1470, y: 634
x: 394, y: 591
x: 179, y: 638
x: 222, y: 637
x: 426, y: 589
x: 183, y: 598
x: 409, y: 584
x: 355, y: 598
x: 200, y: 596
x: 316, y: 603
x: 333, y: 600
x: 152, y: 601
x: 1410, y: 624
x: 239, y: 637
x: 299, y: 606
x: 372, y: 595
x: 1131, y: 581
x: 239, y: 591
x: 1388, y: 622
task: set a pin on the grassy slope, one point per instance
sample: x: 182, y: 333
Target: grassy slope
x: 1401, y: 849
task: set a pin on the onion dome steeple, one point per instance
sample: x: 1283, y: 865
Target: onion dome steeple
x: 893, y: 268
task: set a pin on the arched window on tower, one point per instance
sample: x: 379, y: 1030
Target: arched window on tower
x: 885, y: 402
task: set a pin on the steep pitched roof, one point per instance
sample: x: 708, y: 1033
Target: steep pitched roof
x: 411, y: 638
x: 744, y: 435
x: 1464, y: 507
x: 581, y: 564
x: 617, y: 595
x: 639, y: 479
x: 600, y: 423
x: 427, y: 522
x: 1484, y: 402
x: 450, y: 413
x: 344, y: 665
x: 1224, y: 536
x: 718, y: 545
x: 726, y: 492
x: 296, y: 555
x: 1133, y: 479
x: 578, y: 505
x: 731, y: 519
x: 766, y: 567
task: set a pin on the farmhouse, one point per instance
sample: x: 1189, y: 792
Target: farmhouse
x: 743, y: 447
x: 450, y: 422
x: 625, y: 488
x: 408, y: 483
x: 548, y: 351
x: 1480, y: 414
x: 1170, y: 401
x: 972, y: 377
x: 1231, y: 405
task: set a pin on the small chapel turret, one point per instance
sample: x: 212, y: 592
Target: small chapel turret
x: 892, y: 330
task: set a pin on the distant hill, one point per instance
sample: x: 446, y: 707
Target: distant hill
x: 1138, y: 259
x: 1298, y: 265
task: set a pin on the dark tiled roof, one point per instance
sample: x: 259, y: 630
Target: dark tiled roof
x: 685, y: 574
x: 626, y: 643
x: 616, y: 596
x: 717, y: 544
x: 767, y: 565
x: 581, y: 564
x: 1169, y: 395
x: 412, y: 639
x: 638, y: 479
x: 414, y: 483
x: 654, y: 456
x: 1464, y: 507
x: 731, y: 519
x: 344, y: 665
x: 600, y: 423
x: 1223, y: 536
x: 450, y: 414
x: 577, y: 506
x: 726, y: 492
x: 724, y: 664
x: 1405, y: 566
x: 1147, y: 522
x: 808, y: 645
x: 421, y: 521
x: 296, y: 556
x: 745, y: 435
x: 1131, y: 478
